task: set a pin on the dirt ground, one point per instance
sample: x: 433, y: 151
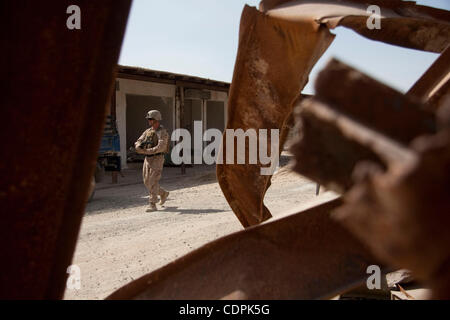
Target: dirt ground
x: 119, y: 241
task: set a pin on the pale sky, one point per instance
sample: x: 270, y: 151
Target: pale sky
x: 200, y: 38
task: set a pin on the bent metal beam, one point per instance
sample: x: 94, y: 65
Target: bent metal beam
x: 54, y: 102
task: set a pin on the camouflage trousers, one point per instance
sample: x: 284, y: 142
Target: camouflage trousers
x: 151, y: 173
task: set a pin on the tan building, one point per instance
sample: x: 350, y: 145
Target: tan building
x: 181, y: 99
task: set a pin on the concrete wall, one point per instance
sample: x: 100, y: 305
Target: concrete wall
x: 215, y: 115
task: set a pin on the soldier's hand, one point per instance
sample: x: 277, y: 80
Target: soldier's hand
x: 140, y: 150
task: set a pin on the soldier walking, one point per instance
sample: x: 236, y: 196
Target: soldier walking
x: 153, y: 143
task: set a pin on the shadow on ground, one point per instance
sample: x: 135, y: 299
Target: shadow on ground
x: 133, y: 193
x: 191, y: 211
x: 104, y: 203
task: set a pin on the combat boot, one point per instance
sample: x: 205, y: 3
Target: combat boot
x: 164, y: 198
x: 151, y: 207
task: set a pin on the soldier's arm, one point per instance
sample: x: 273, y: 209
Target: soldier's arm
x: 163, y: 141
x: 138, y: 143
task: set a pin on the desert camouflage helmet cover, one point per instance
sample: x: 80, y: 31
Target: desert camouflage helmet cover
x: 154, y: 114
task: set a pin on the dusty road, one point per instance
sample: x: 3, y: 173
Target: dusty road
x: 120, y: 242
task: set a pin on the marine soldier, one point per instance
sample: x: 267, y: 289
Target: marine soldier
x: 153, y: 143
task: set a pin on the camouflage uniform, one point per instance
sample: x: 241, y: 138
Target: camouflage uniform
x: 157, y: 144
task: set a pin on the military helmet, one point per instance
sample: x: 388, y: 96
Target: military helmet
x: 154, y: 114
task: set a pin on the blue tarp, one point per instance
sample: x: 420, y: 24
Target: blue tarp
x: 110, y: 143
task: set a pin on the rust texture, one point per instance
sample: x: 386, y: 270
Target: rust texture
x: 403, y: 215
x: 277, y: 50
x: 387, y: 154
x: 357, y: 136
x: 434, y: 83
x: 55, y: 90
x: 370, y: 101
x: 272, y: 66
x: 403, y: 22
x: 306, y: 255
x: 330, y: 125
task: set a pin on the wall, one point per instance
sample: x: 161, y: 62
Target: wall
x: 215, y: 111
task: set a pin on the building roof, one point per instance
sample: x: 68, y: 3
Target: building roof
x: 187, y: 81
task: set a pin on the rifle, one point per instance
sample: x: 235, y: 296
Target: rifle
x: 148, y: 142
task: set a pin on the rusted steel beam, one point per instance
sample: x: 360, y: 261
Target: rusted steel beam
x: 410, y: 8
x: 270, y: 47
x: 325, y: 153
x: 403, y: 213
x: 438, y: 98
x: 347, y: 124
x: 53, y: 110
x: 397, y: 201
x: 403, y: 23
x: 433, y: 79
x: 302, y: 256
x: 273, y: 62
x: 369, y: 102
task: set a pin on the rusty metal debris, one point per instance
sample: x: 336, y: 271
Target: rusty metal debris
x: 388, y: 153
x: 410, y: 294
x: 358, y: 137
x: 272, y: 67
x: 275, y: 260
x: 399, y: 277
x: 53, y: 107
x: 343, y: 125
x: 395, y: 182
x: 403, y: 22
x: 434, y: 85
x: 277, y: 50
